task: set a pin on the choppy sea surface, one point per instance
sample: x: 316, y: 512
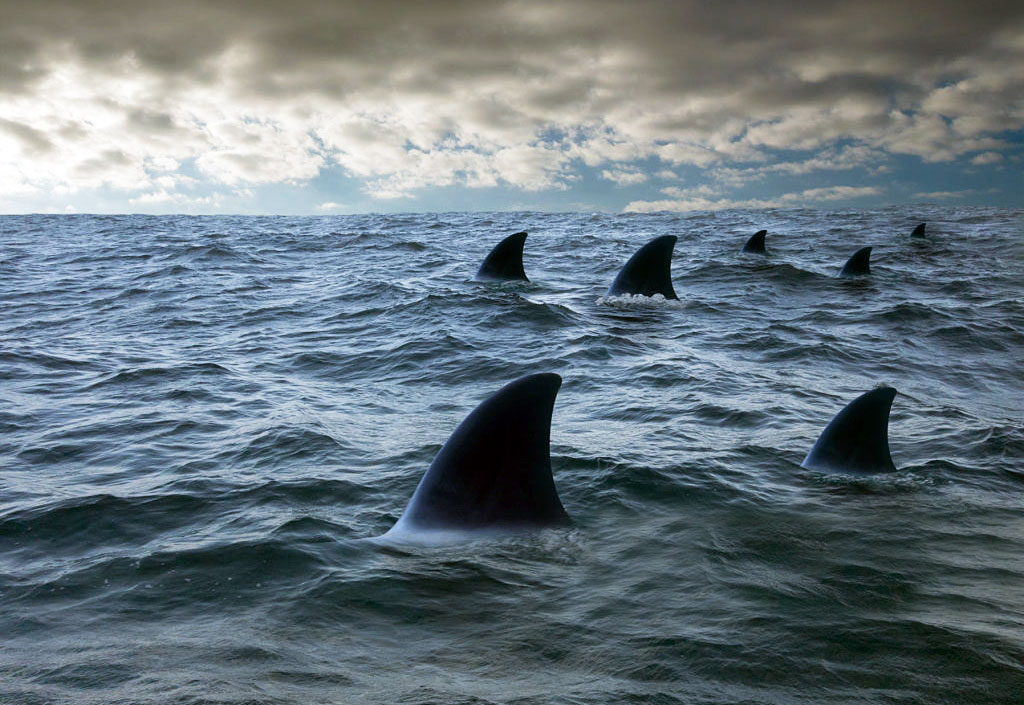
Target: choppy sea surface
x: 203, y: 420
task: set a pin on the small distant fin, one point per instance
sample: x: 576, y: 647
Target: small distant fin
x: 756, y: 242
x: 918, y: 231
x: 494, y: 472
x: 858, y: 264
x: 648, y: 271
x: 857, y: 439
x: 505, y: 261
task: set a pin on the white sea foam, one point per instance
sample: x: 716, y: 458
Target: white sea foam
x: 633, y: 301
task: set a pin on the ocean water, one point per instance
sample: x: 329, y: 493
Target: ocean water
x: 204, y: 419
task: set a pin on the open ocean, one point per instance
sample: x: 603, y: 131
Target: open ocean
x: 202, y: 420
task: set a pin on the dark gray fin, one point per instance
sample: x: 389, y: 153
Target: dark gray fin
x: 756, y: 242
x: 505, y: 261
x: 495, y: 470
x: 648, y: 272
x: 858, y: 264
x: 857, y: 439
x: 918, y: 231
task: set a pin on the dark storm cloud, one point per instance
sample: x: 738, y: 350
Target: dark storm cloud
x: 151, y: 120
x: 672, y: 46
x: 33, y: 140
x: 689, y: 82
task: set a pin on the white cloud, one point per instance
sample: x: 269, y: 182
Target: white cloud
x: 706, y: 198
x: 832, y: 193
x: 987, y: 158
x: 943, y: 195
x: 66, y: 209
x: 702, y: 190
x: 162, y: 197
x: 624, y: 177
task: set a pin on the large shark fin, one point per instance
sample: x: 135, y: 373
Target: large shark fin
x: 918, y: 231
x: 756, y: 242
x: 857, y: 439
x: 505, y: 261
x: 494, y: 472
x: 858, y: 264
x: 648, y: 271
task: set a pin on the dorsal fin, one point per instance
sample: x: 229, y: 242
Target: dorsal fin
x: 918, y: 231
x: 858, y: 264
x: 648, y: 271
x: 857, y: 439
x: 494, y: 472
x: 756, y: 242
x: 505, y: 261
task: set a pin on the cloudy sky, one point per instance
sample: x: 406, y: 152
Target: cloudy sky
x: 339, y: 107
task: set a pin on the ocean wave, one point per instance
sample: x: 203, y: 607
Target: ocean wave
x: 639, y: 301
x: 209, y: 423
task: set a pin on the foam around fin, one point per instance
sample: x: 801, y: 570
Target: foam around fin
x: 648, y: 271
x: 756, y: 242
x: 505, y: 261
x: 858, y: 264
x: 857, y: 439
x: 918, y: 231
x: 494, y: 472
